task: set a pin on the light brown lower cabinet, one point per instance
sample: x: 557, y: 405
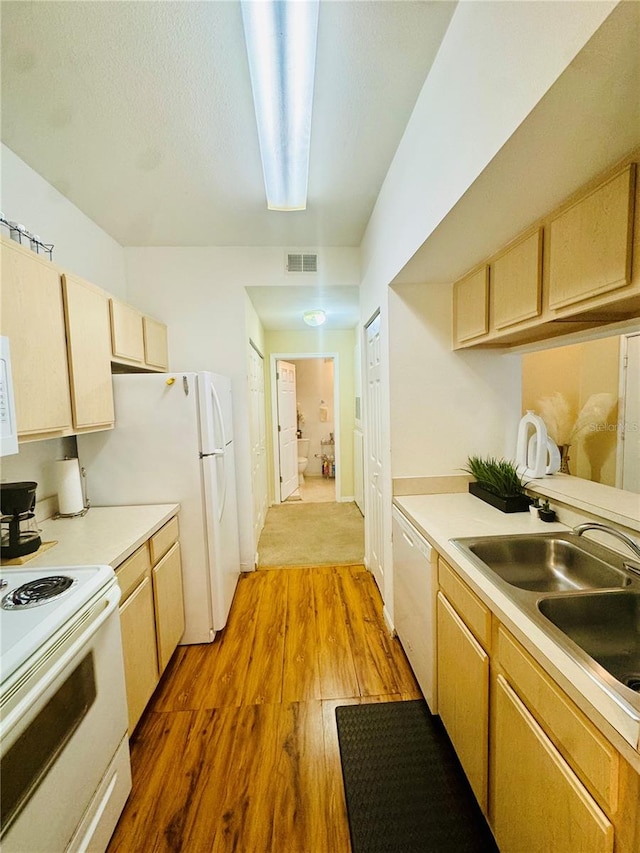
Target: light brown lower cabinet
x: 539, y: 804
x: 151, y: 614
x: 169, y: 604
x: 546, y: 777
x: 463, y: 696
x: 137, y: 624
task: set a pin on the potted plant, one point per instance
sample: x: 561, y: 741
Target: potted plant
x: 497, y: 482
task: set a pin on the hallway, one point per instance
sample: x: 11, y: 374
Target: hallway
x: 314, y: 490
x: 312, y: 534
x: 238, y: 748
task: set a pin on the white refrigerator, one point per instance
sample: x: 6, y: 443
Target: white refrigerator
x: 173, y: 443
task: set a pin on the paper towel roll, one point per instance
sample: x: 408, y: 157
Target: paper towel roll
x: 70, y: 500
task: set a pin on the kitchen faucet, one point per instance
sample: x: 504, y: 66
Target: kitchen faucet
x: 628, y: 541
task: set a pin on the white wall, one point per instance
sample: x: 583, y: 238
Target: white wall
x: 200, y: 293
x: 496, y: 62
x: 80, y: 245
x: 319, y: 341
x: 445, y: 405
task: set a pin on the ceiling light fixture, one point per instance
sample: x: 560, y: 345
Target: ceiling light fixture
x: 281, y: 37
x: 315, y: 317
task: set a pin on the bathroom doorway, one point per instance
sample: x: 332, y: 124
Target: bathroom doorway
x: 317, y: 419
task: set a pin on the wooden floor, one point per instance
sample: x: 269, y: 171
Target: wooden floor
x: 238, y: 747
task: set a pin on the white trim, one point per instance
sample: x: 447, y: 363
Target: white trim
x: 275, y: 357
x: 622, y: 358
x: 622, y: 403
x: 389, y: 621
x: 584, y: 335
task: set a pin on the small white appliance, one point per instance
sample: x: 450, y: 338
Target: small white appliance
x: 8, y: 428
x: 173, y: 443
x: 63, y: 728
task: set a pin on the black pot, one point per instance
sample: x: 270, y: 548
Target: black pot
x: 17, y: 498
x: 517, y: 503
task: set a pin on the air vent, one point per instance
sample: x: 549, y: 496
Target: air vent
x: 302, y: 262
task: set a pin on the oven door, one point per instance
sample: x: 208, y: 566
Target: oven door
x: 64, y: 720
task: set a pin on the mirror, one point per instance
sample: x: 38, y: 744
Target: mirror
x: 588, y: 396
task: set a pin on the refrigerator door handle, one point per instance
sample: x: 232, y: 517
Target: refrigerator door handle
x: 213, y: 453
x: 217, y: 415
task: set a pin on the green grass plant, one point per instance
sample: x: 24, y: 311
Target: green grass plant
x: 498, y: 476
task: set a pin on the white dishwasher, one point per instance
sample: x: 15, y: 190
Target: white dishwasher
x: 415, y: 586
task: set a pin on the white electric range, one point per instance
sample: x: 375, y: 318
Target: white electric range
x: 63, y: 727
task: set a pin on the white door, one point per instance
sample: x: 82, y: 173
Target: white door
x: 258, y: 442
x: 629, y: 431
x: 358, y: 469
x: 287, y: 428
x: 374, y: 498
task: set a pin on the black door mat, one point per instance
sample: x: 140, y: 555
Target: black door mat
x: 404, y: 786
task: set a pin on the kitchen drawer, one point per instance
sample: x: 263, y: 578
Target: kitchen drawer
x: 473, y: 612
x: 130, y: 573
x: 161, y: 541
x: 593, y: 759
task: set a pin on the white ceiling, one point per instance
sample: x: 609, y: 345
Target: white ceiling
x: 141, y: 114
x: 282, y: 307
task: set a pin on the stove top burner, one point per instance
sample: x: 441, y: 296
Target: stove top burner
x: 37, y: 592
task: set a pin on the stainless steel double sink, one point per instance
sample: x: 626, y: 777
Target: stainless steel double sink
x: 584, y: 595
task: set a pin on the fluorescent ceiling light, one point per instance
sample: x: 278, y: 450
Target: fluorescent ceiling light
x: 315, y: 317
x: 281, y: 38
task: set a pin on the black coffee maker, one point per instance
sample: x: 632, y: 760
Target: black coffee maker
x: 18, y: 534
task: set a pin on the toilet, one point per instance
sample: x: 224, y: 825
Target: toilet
x: 303, y: 458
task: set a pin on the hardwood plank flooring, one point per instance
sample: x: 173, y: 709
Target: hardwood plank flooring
x: 238, y: 749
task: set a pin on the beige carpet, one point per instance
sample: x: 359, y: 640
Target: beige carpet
x: 312, y: 534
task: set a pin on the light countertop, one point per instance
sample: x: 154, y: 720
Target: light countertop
x: 104, y: 536
x: 442, y: 517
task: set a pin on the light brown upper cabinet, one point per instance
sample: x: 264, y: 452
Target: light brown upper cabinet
x: 516, y: 282
x: 471, y: 306
x: 33, y: 320
x: 579, y: 264
x: 127, y: 340
x: 590, y: 243
x: 137, y: 340
x: 89, y: 346
x: 156, y: 352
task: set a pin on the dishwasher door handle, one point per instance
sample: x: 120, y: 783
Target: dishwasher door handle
x: 408, y: 539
